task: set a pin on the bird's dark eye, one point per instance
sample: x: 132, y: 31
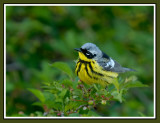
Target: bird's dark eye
x: 88, y: 54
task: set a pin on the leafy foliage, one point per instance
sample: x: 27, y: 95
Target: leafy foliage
x: 61, y: 98
x: 38, y: 94
x: 64, y: 67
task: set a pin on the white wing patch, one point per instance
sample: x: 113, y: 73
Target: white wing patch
x: 110, y: 63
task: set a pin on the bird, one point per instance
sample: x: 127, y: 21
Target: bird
x: 94, y: 66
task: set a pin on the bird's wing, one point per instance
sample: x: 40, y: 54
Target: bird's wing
x: 109, y: 64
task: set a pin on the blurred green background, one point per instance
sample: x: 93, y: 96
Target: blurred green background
x: 39, y: 35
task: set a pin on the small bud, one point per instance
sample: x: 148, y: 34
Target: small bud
x: 78, y: 87
x: 71, y: 89
x: 106, y: 98
x: 79, y: 82
x: 31, y: 115
x: 59, y: 114
x: 81, y: 85
x: 63, y: 86
x: 21, y: 112
x: 103, y: 102
x: 90, y: 102
x: 84, y: 108
x: 102, y: 96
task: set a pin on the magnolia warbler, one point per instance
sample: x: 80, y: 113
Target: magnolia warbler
x: 94, y: 66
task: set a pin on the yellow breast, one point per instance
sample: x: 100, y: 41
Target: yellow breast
x: 89, y: 71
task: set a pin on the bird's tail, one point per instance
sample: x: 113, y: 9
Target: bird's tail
x: 128, y: 69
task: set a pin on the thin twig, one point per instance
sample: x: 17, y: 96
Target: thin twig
x: 79, y: 108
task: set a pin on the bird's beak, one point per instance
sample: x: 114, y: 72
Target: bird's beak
x: 78, y: 49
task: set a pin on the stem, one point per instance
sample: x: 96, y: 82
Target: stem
x: 79, y: 100
x: 79, y: 108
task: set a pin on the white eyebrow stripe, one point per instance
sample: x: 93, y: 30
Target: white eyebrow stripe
x: 110, y: 63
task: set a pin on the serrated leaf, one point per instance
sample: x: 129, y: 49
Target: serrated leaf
x: 38, y: 94
x: 64, y: 67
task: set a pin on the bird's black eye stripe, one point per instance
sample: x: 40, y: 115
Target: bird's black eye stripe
x: 84, y: 50
x: 87, y: 53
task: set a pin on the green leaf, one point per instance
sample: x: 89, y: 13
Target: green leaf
x: 141, y: 114
x: 117, y: 95
x: 59, y: 100
x: 74, y: 115
x: 64, y: 67
x: 92, y: 113
x: 67, y: 83
x: 49, y: 99
x: 38, y: 94
x: 63, y: 93
x: 116, y: 84
x: 53, y: 87
x: 9, y: 86
x: 131, y: 78
x: 95, y: 87
x: 83, y: 110
x: 134, y: 84
x: 77, y: 94
x: 38, y: 104
x: 39, y: 114
x: 71, y: 105
x: 58, y: 105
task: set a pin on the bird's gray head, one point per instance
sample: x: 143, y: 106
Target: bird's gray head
x: 91, y: 51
